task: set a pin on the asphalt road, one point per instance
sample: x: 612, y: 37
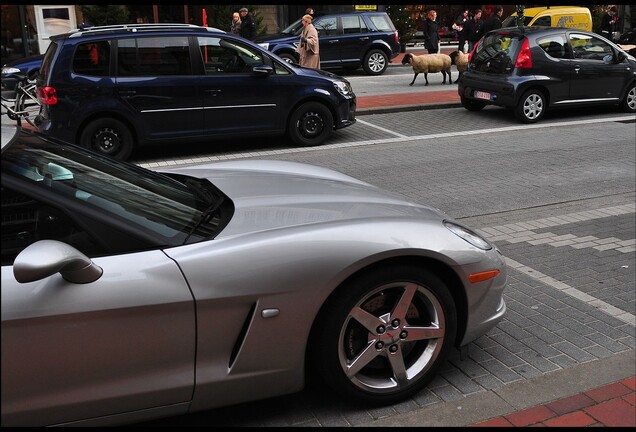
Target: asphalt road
x: 558, y: 198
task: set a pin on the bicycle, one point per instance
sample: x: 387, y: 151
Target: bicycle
x: 24, y: 103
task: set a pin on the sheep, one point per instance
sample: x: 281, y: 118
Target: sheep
x: 459, y: 59
x: 426, y: 63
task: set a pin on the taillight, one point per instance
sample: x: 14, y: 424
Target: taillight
x: 397, y: 38
x: 47, y: 95
x: 524, y: 58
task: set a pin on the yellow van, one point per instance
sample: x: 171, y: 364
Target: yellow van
x: 553, y: 16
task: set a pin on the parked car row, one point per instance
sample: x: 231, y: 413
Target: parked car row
x: 117, y: 88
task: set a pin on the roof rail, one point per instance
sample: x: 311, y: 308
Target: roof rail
x: 132, y: 28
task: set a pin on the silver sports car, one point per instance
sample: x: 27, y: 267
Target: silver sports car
x: 129, y: 294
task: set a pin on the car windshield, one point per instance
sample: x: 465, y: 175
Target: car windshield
x: 511, y: 21
x: 169, y: 207
x: 294, y: 28
x: 496, y: 53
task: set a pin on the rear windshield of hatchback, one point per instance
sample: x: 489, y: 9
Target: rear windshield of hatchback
x: 497, y: 53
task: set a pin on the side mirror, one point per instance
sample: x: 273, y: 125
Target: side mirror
x: 47, y: 257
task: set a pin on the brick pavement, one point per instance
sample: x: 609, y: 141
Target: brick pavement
x: 612, y: 405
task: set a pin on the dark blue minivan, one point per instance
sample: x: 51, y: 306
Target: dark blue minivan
x: 115, y: 88
x: 347, y: 40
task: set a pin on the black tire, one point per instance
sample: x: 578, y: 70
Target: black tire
x: 311, y: 124
x: 289, y: 58
x: 628, y: 103
x: 109, y: 137
x: 410, y: 324
x: 531, y: 107
x: 375, y: 62
x: 472, y: 105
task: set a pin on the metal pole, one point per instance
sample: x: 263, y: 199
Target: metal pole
x: 520, y: 17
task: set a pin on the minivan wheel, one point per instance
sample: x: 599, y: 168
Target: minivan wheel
x: 109, y: 137
x: 310, y: 124
x: 629, y: 101
x: 375, y: 62
x: 531, y: 107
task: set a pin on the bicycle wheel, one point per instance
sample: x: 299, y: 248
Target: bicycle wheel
x: 27, y: 105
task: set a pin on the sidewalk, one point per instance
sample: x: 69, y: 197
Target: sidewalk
x: 409, y: 101
x: 609, y: 405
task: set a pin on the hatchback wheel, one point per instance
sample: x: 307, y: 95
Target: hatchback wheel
x: 375, y: 62
x: 310, y: 124
x: 382, y: 339
x: 531, y: 107
x: 629, y: 101
x: 108, y: 136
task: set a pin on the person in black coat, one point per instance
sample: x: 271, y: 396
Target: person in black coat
x: 494, y: 21
x: 474, y: 29
x: 248, y: 25
x: 460, y: 27
x: 431, y: 32
x: 608, y: 24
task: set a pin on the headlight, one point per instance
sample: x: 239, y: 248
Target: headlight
x: 468, y: 235
x: 264, y: 45
x: 344, y: 88
x: 10, y: 70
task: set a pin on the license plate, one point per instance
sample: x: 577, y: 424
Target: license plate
x: 482, y: 95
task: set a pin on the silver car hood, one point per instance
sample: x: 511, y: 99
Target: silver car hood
x: 275, y: 194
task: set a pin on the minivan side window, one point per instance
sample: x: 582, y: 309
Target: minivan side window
x: 226, y: 56
x: 92, y: 58
x: 154, y: 56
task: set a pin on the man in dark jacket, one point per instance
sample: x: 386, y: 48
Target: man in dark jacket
x: 474, y: 29
x: 494, y: 20
x: 248, y: 25
x: 431, y: 32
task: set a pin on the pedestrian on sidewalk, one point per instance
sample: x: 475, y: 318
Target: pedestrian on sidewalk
x: 474, y: 29
x: 460, y: 26
x: 494, y: 21
x: 431, y: 32
x: 309, y: 49
x: 235, y: 25
x: 248, y: 25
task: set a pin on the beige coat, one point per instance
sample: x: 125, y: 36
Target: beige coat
x: 309, y: 52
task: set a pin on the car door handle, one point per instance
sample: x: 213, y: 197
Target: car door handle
x: 214, y: 92
x: 577, y: 69
x: 364, y: 38
x: 334, y: 41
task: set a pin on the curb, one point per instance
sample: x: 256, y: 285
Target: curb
x: 518, y: 395
x: 403, y: 108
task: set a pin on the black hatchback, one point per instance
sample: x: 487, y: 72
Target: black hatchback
x: 533, y: 69
x: 116, y: 88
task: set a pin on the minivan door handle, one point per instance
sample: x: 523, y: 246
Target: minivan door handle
x: 364, y: 38
x: 214, y: 92
x: 126, y: 93
x: 577, y: 69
